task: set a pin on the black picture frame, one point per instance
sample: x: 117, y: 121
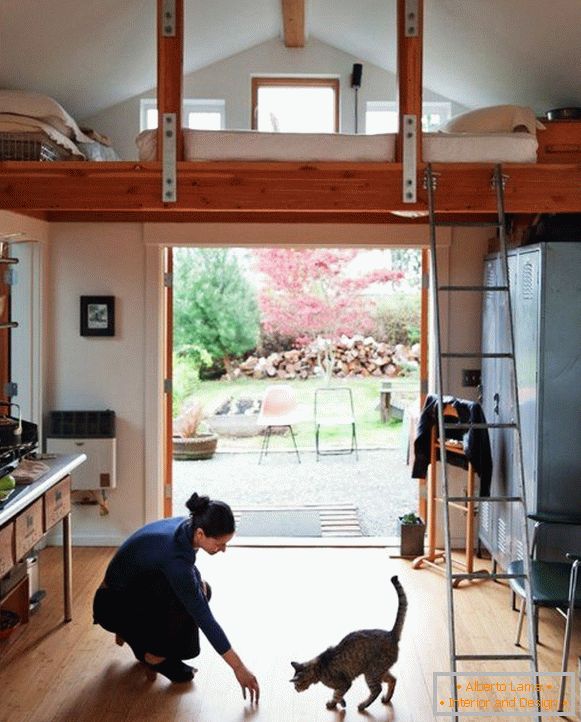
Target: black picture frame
x: 97, y: 315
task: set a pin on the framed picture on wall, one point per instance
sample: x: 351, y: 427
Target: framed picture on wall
x: 97, y: 315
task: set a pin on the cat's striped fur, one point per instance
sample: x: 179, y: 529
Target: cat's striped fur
x: 371, y: 652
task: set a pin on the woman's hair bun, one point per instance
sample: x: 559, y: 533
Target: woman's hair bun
x: 198, y: 504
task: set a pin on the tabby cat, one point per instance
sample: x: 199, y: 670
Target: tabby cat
x: 370, y: 652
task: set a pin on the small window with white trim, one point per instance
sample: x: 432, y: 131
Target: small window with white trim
x: 381, y: 116
x: 196, y: 114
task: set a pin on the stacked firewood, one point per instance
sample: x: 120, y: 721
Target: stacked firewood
x: 357, y: 356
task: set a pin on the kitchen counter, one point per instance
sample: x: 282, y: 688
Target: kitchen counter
x: 27, y: 516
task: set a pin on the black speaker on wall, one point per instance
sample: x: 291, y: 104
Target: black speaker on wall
x: 356, y: 75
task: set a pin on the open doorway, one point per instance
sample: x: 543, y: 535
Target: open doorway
x: 245, y: 320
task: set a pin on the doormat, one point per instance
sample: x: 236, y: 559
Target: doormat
x: 332, y: 520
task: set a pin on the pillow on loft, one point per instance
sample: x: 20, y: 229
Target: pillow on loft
x: 36, y: 105
x: 494, y: 119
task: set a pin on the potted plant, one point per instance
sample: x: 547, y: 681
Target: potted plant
x: 412, y: 531
x: 189, y: 441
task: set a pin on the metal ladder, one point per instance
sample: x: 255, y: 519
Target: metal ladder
x: 453, y: 579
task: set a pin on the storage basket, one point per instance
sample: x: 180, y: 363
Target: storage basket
x: 31, y: 146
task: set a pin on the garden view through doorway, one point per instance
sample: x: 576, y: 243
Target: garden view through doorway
x: 304, y: 319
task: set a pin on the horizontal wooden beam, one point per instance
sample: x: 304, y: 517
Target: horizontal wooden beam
x: 284, y: 187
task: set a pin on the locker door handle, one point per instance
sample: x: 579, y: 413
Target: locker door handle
x: 496, y: 398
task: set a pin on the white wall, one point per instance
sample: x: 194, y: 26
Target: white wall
x: 230, y: 80
x: 101, y: 372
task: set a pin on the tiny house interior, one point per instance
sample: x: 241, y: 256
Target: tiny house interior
x: 125, y: 132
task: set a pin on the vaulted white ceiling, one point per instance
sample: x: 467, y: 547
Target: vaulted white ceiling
x: 91, y: 55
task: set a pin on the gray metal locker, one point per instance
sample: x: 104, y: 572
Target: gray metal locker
x: 546, y: 300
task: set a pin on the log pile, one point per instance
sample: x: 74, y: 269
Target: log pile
x: 357, y: 356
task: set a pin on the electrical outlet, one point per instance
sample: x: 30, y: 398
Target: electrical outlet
x: 471, y: 377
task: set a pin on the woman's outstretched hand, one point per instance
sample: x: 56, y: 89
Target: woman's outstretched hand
x: 248, y: 682
x: 245, y: 678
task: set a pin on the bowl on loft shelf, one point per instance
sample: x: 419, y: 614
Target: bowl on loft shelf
x: 190, y: 443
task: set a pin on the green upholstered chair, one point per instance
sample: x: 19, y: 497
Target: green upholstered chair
x: 554, y: 584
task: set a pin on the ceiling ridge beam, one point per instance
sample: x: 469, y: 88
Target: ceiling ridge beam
x: 293, y: 23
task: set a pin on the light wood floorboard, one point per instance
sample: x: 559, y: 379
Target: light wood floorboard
x: 276, y: 605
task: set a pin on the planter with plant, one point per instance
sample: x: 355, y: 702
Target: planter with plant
x: 412, y: 532
x: 190, y: 442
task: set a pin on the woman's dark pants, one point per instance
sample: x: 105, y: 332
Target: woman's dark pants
x: 149, y: 617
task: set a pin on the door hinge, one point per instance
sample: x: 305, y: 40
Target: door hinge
x: 425, y: 280
x: 168, y: 280
x: 11, y: 389
x: 167, y: 386
x: 167, y: 491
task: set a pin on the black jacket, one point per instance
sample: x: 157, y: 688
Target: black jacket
x: 476, y: 442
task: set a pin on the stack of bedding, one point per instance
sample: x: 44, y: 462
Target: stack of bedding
x: 488, y: 135
x: 36, y: 127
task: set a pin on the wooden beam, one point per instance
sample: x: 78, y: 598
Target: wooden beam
x: 409, y: 70
x: 170, y: 61
x: 283, y: 187
x: 293, y: 22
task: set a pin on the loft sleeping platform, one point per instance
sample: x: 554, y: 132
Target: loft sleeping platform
x: 204, y: 176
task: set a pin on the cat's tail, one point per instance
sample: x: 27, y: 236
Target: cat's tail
x: 401, y: 609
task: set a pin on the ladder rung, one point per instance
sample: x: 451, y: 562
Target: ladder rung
x: 485, y: 575
x: 476, y: 354
x: 468, y: 224
x: 483, y: 657
x: 511, y: 425
x: 484, y: 498
x: 473, y: 288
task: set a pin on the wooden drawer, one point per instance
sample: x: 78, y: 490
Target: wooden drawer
x: 57, y: 502
x: 560, y: 142
x: 6, y: 548
x: 28, y: 528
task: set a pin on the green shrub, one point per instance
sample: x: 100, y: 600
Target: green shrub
x: 397, y: 318
x: 187, y: 362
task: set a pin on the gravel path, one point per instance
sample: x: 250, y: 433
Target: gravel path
x: 379, y: 484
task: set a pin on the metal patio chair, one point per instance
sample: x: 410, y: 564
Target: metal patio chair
x: 279, y: 409
x: 334, y: 408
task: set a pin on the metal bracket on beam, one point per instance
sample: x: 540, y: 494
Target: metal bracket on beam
x: 169, y: 175
x: 168, y: 20
x: 411, y: 19
x: 410, y: 162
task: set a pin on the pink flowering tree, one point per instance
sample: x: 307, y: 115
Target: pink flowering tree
x: 310, y: 294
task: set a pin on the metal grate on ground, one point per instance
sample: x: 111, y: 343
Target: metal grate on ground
x: 337, y: 520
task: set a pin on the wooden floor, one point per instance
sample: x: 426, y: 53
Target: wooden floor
x: 276, y: 605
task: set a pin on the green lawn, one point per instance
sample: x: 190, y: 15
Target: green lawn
x: 371, y: 431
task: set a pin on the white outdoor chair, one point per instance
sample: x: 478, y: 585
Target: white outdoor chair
x: 334, y: 407
x: 279, y: 409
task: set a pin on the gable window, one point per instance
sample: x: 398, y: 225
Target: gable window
x: 381, y: 116
x: 196, y: 113
x: 295, y: 105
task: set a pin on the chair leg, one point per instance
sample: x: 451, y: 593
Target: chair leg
x: 568, y: 628
x: 521, y: 616
x: 317, y: 443
x: 265, y: 442
x: 354, y: 442
x: 295, y: 443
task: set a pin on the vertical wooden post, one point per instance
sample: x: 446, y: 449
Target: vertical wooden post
x: 168, y: 378
x: 170, y: 61
x: 409, y: 68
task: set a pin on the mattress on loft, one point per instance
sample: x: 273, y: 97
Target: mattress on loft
x: 253, y: 145
x: 480, y: 148
x: 248, y: 145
